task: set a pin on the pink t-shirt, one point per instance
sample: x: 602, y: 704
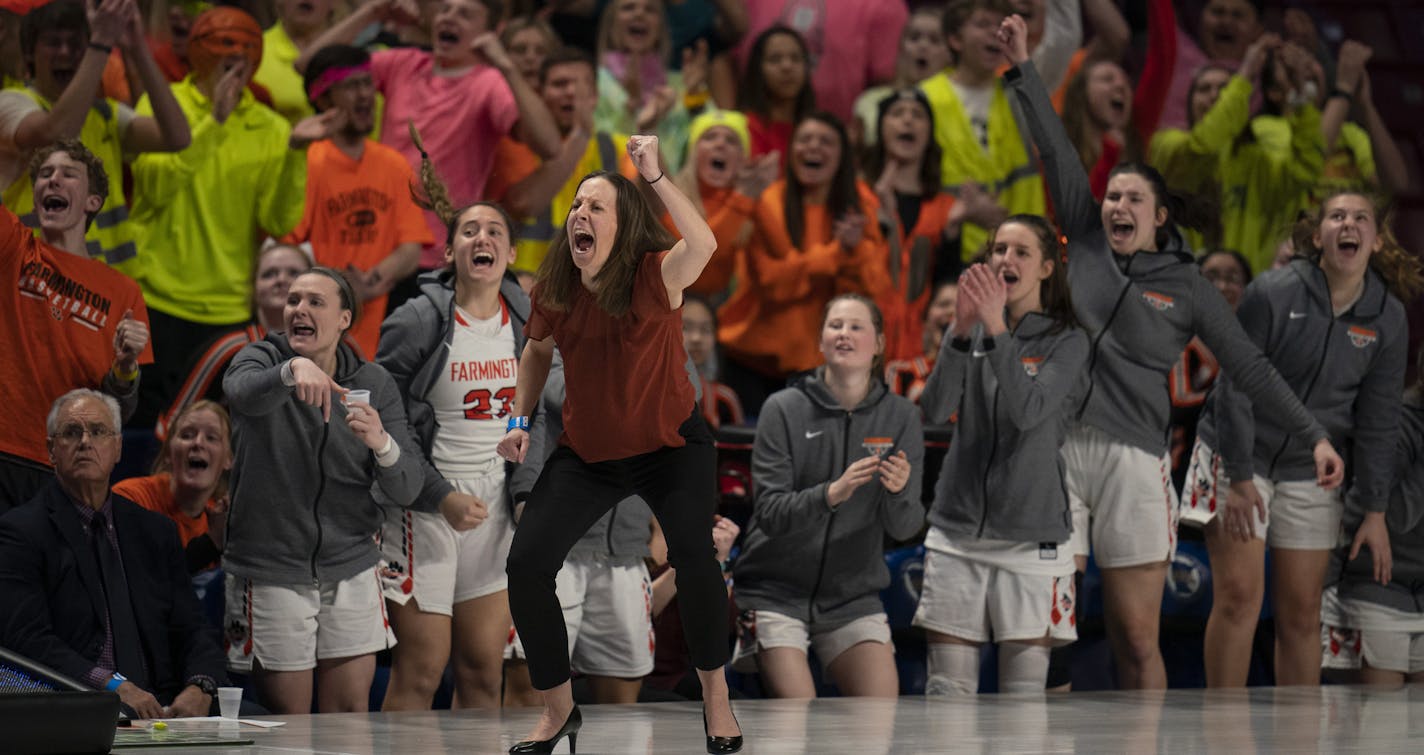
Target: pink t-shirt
x: 853, y: 43
x: 461, y: 118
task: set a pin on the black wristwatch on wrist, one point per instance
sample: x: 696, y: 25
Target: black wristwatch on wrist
x: 206, y: 684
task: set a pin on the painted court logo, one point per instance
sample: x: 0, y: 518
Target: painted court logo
x: 1159, y: 302
x: 1030, y: 365
x: 1362, y: 337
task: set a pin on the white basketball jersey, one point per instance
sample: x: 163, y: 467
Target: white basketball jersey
x: 474, y: 395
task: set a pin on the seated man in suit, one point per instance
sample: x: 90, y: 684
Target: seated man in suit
x: 95, y: 586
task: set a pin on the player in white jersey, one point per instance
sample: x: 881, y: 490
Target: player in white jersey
x: 453, y: 351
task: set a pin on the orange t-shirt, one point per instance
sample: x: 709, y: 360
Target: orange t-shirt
x: 358, y: 212
x: 155, y: 493
x: 513, y: 162
x: 57, y: 330
x: 626, y: 372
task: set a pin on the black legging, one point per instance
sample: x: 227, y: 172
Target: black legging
x: 678, y: 484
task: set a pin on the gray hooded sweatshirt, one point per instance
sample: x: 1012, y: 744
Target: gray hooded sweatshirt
x: 800, y: 557
x: 307, y: 494
x: 414, y: 348
x: 1405, y: 521
x: 1140, y: 310
x: 1003, y: 476
x: 1348, y: 370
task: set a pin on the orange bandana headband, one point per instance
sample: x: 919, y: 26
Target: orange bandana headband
x: 221, y: 32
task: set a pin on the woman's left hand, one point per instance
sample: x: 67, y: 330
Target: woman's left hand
x: 1373, y: 533
x: 849, y: 229
x: 365, y: 422
x: 895, y: 472
x: 643, y: 150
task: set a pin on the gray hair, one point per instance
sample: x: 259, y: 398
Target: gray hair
x: 52, y: 421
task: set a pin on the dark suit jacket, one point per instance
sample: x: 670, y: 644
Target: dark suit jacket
x: 52, y: 596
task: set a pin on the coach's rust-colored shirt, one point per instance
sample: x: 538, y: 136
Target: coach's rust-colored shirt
x: 627, y: 384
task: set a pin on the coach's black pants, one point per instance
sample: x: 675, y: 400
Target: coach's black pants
x: 678, y: 484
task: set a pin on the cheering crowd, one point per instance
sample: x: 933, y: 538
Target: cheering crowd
x: 433, y: 309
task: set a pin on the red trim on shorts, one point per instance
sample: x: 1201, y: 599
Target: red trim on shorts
x: 385, y: 619
x: 1167, y: 501
x: 247, y: 611
x: 408, y: 546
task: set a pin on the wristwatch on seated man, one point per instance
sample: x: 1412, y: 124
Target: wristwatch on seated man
x: 204, y: 683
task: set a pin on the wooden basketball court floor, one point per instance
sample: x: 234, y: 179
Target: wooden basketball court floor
x: 1333, y: 719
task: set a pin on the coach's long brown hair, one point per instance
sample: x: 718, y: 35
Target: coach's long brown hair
x: 639, y: 233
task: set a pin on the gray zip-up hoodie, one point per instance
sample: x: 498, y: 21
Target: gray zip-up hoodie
x: 1003, y: 476
x: 1405, y: 521
x: 800, y: 557
x: 621, y: 535
x: 415, y: 345
x: 1348, y: 370
x: 1142, y: 310
x: 307, y: 493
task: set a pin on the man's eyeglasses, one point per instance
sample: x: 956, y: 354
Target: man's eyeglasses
x: 75, y: 433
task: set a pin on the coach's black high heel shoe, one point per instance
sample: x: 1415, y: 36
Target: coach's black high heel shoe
x: 717, y: 745
x: 571, y: 727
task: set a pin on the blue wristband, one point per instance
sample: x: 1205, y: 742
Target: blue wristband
x: 517, y: 423
x: 114, y: 682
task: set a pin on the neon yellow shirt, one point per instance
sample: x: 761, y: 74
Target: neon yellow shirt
x: 200, y: 209
x: 1006, y: 169
x: 278, y: 73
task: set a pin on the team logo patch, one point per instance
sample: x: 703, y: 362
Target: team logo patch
x: 1159, y: 302
x: 1362, y: 337
x: 393, y: 573
x: 1030, y: 365
x: 236, y: 635
x: 1348, y: 640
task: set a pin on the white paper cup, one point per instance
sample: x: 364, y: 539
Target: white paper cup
x: 358, y: 396
x: 229, y: 701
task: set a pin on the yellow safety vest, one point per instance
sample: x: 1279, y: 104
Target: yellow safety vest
x: 537, y: 232
x: 111, y: 236
x: 1006, y: 169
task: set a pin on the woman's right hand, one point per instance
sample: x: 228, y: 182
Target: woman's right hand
x: 463, y: 511
x: 315, y: 387
x: 513, y: 446
x: 853, y: 477
x: 966, y: 309
x: 1242, y: 509
x: 1013, y: 34
x: 1329, y: 467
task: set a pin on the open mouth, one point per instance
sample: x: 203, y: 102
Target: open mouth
x: 482, y: 260
x: 718, y: 164
x: 844, y: 348
x: 1348, y: 246
x: 446, y: 36
x: 1121, y: 232
x: 303, y: 331
x: 198, y: 463
x: 583, y: 242
x: 1118, y: 105
x: 1010, y: 277
x: 812, y: 164
x: 638, y: 31
x: 54, y: 203
x: 905, y: 137
x: 994, y: 50
x: 305, y: 7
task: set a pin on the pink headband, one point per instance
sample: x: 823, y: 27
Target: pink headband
x: 333, y: 76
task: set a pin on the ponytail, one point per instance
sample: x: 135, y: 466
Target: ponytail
x: 1192, y: 211
x: 433, y: 195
